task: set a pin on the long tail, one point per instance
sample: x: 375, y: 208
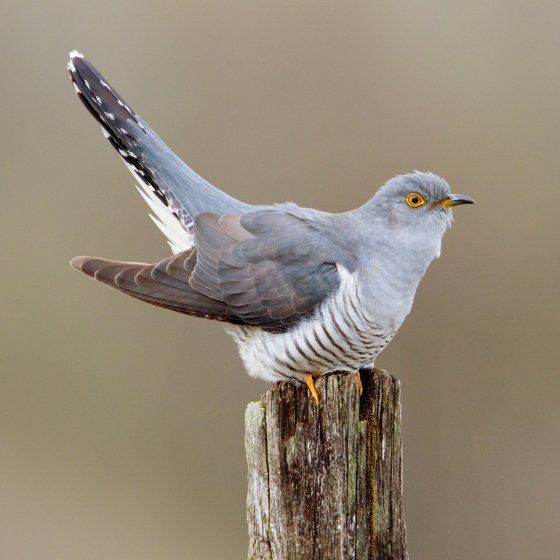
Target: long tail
x: 165, y: 284
x: 175, y: 193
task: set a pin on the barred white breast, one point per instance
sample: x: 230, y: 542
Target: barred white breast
x: 339, y: 336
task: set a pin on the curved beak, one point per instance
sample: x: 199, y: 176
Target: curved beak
x: 456, y: 199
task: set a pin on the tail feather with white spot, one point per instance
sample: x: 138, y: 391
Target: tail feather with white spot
x: 173, y: 191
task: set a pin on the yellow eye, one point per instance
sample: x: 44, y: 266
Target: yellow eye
x: 414, y: 200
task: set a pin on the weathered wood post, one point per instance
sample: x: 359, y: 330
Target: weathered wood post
x: 326, y: 483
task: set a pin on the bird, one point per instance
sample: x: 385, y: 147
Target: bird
x: 303, y: 292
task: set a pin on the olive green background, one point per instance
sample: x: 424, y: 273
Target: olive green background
x: 121, y: 425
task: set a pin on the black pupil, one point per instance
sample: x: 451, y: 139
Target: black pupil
x: 415, y: 200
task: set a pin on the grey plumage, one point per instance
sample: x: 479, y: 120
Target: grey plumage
x: 303, y: 290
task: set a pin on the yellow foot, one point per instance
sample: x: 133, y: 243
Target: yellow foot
x: 311, y: 385
x: 359, y: 380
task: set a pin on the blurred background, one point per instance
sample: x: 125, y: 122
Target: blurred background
x: 121, y: 425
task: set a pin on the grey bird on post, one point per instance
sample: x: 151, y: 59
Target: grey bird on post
x: 303, y: 292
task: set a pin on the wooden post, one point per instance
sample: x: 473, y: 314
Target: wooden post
x: 326, y: 483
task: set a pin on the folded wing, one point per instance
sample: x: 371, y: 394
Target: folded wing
x: 267, y: 268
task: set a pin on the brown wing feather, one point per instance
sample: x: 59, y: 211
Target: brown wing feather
x: 154, y: 284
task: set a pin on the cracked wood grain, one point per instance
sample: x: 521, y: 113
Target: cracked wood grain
x: 326, y: 483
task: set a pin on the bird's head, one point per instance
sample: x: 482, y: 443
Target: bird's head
x: 417, y: 201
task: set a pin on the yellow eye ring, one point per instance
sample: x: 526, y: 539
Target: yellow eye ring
x: 414, y: 200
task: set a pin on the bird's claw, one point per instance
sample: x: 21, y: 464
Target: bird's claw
x: 311, y: 386
x: 359, y: 380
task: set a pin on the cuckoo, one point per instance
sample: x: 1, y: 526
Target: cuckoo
x: 302, y: 292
